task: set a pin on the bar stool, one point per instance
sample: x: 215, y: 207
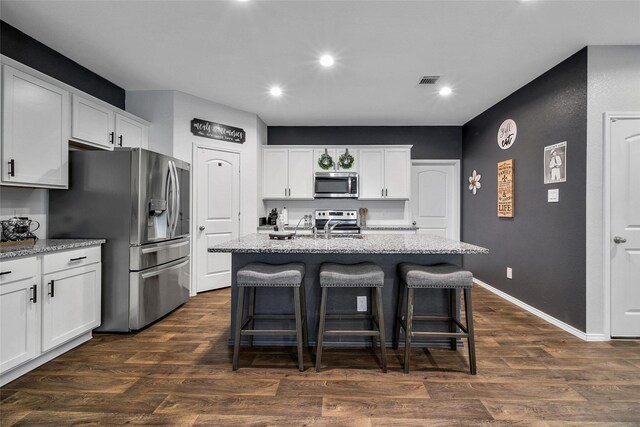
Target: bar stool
x: 363, y: 275
x: 259, y: 275
x: 441, y: 276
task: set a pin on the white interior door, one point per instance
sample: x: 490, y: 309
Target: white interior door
x: 435, y: 198
x: 625, y: 227
x: 218, y: 215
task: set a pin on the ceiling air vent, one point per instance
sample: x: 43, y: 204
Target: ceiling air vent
x: 428, y: 80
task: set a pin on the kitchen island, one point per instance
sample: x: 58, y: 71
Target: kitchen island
x: 385, y: 250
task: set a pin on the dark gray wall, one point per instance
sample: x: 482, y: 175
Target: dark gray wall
x: 545, y: 243
x: 429, y: 142
x: 29, y: 51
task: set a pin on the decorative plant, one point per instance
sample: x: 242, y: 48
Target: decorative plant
x: 345, y: 161
x: 474, y: 182
x: 325, y: 161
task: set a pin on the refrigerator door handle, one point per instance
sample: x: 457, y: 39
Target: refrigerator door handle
x: 175, y: 197
x: 157, y: 272
x: 177, y: 214
x: 169, y: 197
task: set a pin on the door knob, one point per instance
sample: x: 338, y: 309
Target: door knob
x: 201, y: 228
x: 618, y: 239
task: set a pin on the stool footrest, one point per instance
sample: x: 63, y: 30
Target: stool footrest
x: 348, y: 316
x: 353, y: 333
x: 440, y: 334
x: 274, y: 316
x: 268, y: 332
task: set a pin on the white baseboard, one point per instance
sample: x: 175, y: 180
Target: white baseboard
x: 544, y: 316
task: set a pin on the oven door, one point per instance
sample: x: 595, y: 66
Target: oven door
x: 156, y: 291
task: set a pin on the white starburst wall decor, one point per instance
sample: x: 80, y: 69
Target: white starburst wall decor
x: 474, y: 182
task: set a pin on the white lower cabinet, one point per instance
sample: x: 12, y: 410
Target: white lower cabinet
x: 70, y: 304
x: 19, y: 326
x: 45, y: 315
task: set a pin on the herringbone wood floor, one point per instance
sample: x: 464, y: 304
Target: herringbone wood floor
x: 178, y: 372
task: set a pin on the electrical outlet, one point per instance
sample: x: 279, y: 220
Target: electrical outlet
x: 362, y: 303
x: 509, y: 273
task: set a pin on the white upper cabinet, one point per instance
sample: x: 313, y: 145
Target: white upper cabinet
x: 35, y: 131
x: 131, y: 133
x: 92, y: 123
x: 385, y: 173
x: 335, y: 154
x: 300, y: 174
x: 287, y: 173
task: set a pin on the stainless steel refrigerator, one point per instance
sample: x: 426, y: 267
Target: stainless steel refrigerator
x: 138, y: 201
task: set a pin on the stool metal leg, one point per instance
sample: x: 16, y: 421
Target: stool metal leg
x: 374, y: 315
x: 239, y: 315
x: 383, y: 345
x: 408, y: 329
x: 303, y: 306
x: 320, y: 338
x: 396, y: 336
x: 296, y: 297
x: 252, y: 312
x: 468, y: 312
x: 453, y: 315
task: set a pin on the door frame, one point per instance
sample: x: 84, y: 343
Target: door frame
x: 609, y: 117
x: 193, y: 289
x: 457, y: 193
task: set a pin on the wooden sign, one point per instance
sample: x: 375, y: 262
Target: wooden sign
x: 505, y: 189
x: 213, y: 130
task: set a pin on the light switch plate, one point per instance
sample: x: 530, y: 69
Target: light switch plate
x: 553, y: 195
x: 362, y: 303
x: 509, y: 273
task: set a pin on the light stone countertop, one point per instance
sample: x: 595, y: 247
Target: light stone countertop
x: 47, y: 245
x: 366, y: 244
x: 368, y: 227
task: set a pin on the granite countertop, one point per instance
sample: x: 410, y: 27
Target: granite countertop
x: 365, y: 228
x: 366, y: 244
x: 47, y: 245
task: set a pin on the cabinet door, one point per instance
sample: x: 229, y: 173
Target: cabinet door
x: 92, y: 123
x: 275, y: 173
x: 70, y: 304
x: 397, y: 172
x: 300, y: 174
x: 19, y: 329
x: 35, y: 132
x: 130, y: 133
x: 372, y: 173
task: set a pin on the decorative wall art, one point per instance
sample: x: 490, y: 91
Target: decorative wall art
x: 474, y: 182
x: 505, y: 189
x: 219, y: 131
x: 345, y: 161
x: 507, y: 134
x: 555, y: 163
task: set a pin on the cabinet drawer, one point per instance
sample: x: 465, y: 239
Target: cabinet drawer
x: 69, y: 259
x: 18, y: 269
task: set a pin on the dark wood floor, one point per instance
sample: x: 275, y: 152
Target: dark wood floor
x: 178, y: 372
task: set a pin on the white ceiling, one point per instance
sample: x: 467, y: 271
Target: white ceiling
x: 231, y: 52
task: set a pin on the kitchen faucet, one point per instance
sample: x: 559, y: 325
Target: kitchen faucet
x: 295, y: 231
x: 328, y: 230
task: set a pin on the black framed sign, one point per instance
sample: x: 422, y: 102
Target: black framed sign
x: 219, y: 131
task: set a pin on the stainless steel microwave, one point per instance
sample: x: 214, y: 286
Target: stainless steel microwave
x: 336, y: 185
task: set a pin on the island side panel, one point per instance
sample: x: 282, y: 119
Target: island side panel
x: 280, y: 300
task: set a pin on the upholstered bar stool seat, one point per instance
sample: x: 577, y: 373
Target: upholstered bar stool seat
x: 259, y: 275
x: 440, y: 276
x: 363, y: 275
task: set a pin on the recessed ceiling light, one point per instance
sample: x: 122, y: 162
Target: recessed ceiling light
x: 326, y: 60
x: 445, y: 91
x: 242, y: 1
x: 275, y: 91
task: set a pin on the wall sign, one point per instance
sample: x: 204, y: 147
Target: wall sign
x: 213, y: 130
x: 505, y: 189
x: 555, y: 163
x: 507, y: 134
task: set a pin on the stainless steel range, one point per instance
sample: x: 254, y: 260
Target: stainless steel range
x: 340, y: 221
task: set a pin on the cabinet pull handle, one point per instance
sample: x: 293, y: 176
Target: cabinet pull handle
x: 34, y: 296
x: 112, y: 136
x: 386, y: 192
x: 120, y: 140
x: 382, y: 194
x: 77, y: 259
x: 5, y: 272
x: 12, y: 167
x: 53, y: 288
x: 285, y: 192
